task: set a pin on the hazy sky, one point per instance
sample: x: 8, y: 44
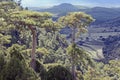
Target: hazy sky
x: 43, y: 3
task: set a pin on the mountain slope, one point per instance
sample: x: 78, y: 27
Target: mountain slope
x: 102, y: 14
x: 111, y: 49
x: 111, y: 23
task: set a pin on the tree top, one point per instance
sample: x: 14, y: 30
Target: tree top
x: 26, y: 18
x: 76, y: 19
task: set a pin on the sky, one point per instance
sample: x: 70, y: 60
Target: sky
x: 91, y: 3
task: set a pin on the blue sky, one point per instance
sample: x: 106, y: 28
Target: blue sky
x: 44, y: 3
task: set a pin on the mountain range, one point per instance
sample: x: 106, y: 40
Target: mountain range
x: 100, y: 14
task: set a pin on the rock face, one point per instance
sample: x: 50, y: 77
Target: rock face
x: 111, y: 50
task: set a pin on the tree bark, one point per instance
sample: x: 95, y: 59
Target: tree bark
x: 73, y: 54
x: 33, y: 62
x: 73, y: 71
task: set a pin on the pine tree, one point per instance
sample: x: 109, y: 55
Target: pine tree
x: 6, y: 7
x: 78, y: 22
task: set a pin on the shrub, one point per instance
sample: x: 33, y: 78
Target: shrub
x: 58, y: 73
x: 2, y: 62
x: 41, y: 70
x: 16, y: 67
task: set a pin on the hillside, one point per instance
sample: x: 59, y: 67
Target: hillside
x: 111, y: 23
x: 111, y: 49
x: 102, y: 14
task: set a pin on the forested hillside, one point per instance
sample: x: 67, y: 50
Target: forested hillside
x: 33, y: 48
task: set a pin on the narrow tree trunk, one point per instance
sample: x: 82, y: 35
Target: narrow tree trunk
x: 33, y: 62
x: 73, y: 54
x: 73, y: 71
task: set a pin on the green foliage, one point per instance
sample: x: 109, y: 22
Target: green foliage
x: 6, y: 8
x: 50, y: 65
x: 75, y: 18
x: 51, y: 25
x: 58, y: 73
x: 16, y: 67
x: 51, y: 58
x: 16, y: 50
x: 79, y: 75
x: 112, y: 69
x: 102, y: 71
x: 79, y: 20
x: 41, y: 70
x: 96, y: 74
x: 55, y: 44
x: 25, y: 18
x: 4, y: 39
x: 2, y: 61
x: 80, y: 57
x: 42, y: 51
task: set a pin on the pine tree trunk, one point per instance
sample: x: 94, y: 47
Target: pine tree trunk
x: 73, y: 54
x: 73, y: 71
x: 33, y: 62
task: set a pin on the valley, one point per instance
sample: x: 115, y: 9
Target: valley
x: 95, y: 38
x: 93, y: 41
x: 106, y: 24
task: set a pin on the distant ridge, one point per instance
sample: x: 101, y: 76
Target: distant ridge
x: 65, y: 7
x: 102, y: 14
